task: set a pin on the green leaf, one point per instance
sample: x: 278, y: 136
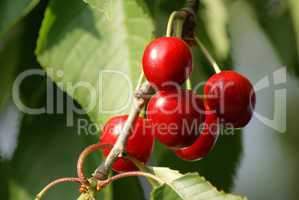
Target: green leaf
x: 164, y: 192
x: 13, y: 11
x: 81, y: 42
x: 190, y: 186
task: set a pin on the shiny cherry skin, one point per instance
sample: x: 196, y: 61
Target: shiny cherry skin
x: 175, y: 117
x: 167, y: 61
x: 139, y: 145
x: 232, y: 96
x: 205, y: 141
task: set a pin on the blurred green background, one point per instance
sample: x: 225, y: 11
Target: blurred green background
x: 254, y: 37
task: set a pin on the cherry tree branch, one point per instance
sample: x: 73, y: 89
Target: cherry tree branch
x: 140, y: 97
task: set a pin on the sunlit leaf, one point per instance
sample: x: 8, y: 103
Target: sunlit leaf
x: 77, y: 45
x: 190, y: 186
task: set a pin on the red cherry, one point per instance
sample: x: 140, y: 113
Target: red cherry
x: 139, y: 144
x: 232, y: 96
x: 167, y: 61
x: 204, y: 143
x: 176, y: 117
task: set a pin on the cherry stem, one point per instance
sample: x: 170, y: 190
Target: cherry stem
x: 176, y: 20
x: 170, y: 23
x: 188, y: 84
x: 179, y: 18
x: 179, y: 27
x: 102, y: 184
x: 56, y: 182
x: 211, y: 60
x: 87, y: 151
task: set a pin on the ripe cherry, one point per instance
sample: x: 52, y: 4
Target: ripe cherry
x: 167, y: 61
x: 175, y: 117
x: 204, y: 143
x: 139, y: 144
x: 232, y: 96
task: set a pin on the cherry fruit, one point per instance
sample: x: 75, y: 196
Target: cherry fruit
x: 167, y: 61
x: 139, y: 144
x: 175, y: 117
x: 232, y: 96
x: 204, y: 143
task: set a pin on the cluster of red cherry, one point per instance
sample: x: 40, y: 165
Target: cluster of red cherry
x: 178, y: 117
